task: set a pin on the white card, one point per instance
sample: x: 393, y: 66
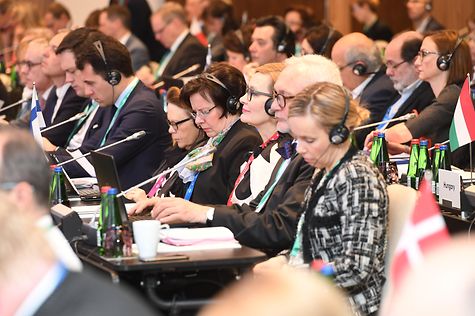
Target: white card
x: 449, y: 187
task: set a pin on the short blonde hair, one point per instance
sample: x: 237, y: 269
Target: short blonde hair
x: 326, y: 102
x: 272, y: 70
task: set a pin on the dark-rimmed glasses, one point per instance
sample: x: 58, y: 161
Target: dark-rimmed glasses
x: 250, y: 92
x: 424, y: 53
x: 391, y: 65
x: 175, y: 125
x: 202, y: 113
x: 282, y: 99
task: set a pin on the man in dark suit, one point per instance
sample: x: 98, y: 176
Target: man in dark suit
x: 107, y: 74
x: 115, y: 21
x: 34, y: 282
x: 62, y: 102
x: 363, y: 73
x: 184, y: 50
x: 269, y: 221
x: 366, y: 12
x: 419, y: 12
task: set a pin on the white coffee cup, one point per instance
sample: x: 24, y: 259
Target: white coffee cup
x: 147, y: 235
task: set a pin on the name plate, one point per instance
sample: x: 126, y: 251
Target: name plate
x: 449, y: 188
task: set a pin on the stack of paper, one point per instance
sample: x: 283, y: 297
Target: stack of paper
x: 195, y: 236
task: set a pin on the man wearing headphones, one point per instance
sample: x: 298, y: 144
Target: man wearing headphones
x: 108, y: 78
x: 419, y: 12
x: 272, y: 41
x: 364, y: 74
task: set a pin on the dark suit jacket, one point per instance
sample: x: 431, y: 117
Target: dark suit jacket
x: 71, y: 105
x: 376, y: 97
x: 215, y: 184
x: 432, y: 26
x: 138, y: 52
x: 434, y: 123
x: 86, y: 293
x: 273, y: 229
x: 189, y: 52
x: 379, y: 31
x: 136, y: 160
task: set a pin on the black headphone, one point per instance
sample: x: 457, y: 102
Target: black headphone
x: 245, y: 50
x: 232, y: 103
x: 443, y: 62
x: 113, y: 76
x: 428, y: 6
x: 331, y: 30
x: 282, y: 45
x: 267, y: 107
x: 339, y: 133
x: 360, y: 69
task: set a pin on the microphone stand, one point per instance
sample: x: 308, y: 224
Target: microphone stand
x: 177, y: 76
x: 12, y: 105
x: 71, y: 119
x: 401, y: 118
x: 134, y: 136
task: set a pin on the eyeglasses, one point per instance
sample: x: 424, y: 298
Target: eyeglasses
x: 28, y: 64
x: 250, y: 92
x: 424, y: 53
x: 160, y: 31
x: 282, y: 99
x: 174, y: 125
x: 394, y: 66
x: 202, y: 113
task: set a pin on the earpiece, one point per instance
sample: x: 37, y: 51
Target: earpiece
x: 360, y: 69
x: 113, y: 76
x: 232, y: 103
x: 282, y: 45
x: 443, y: 62
x: 267, y: 107
x: 340, y: 133
x: 428, y: 6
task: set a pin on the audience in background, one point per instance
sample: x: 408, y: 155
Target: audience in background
x: 419, y: 12
x: 236, y: 45
x: 194, y: 12
x: 57, y: 17
x: 299, y: 19
x: 366, y: 13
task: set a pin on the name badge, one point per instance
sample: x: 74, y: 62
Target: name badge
x: 449, y: 188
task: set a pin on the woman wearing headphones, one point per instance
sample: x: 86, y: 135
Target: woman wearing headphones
x: 320, y: 40
x: 444, y: 62
x: 344, y: 215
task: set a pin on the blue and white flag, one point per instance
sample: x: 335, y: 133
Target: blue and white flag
x: 36, y: 118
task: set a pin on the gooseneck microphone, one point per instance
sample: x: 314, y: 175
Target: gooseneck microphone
x: 178, y: 75
x: 71, y: 119
x: 397, y: 119
x: 172, y: 169
x: 12, y: 105
x: 134, y: 136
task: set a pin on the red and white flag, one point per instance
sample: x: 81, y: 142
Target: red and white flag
x: 424, y: 230
x: 462, y: 129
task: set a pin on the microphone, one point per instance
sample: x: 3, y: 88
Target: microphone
x: 134, y: 136
x: 74, y: 118
x: 12, y: 105
x: 178, y: 75
x: 401, y: 118
x: 172, y: 169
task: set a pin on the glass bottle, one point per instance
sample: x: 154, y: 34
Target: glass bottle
x: 412, y: 177
x: 373, y: 155
x: 435, y: 168
x: 101, y: 222
x: 57, y: 188
x: 423, y: 163
x: 117, y: 238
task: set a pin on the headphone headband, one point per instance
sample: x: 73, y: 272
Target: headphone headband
x: 443, y: 62
x: 113, y: 76
x: 339, y: 133
x: 232, y: 103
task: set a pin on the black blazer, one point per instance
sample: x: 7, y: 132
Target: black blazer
x: 376, y: 97
x: 433, y: 26
x: 215, y: 184
x: 136, y: 160
x: 274, y: 228
x: 71, y: 105
x: 189, y: 52
x: 87, y: 293
x: 379, y: 31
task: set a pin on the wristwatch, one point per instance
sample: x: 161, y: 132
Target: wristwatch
x: 209, y: 216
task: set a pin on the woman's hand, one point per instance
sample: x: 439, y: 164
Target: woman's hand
x: 136, y: 195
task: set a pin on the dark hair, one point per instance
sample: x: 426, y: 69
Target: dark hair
x: 231, y: 77
x: 116, y: 11
x: 23, y: 160
x: 306, y: 14
x: 92, y: 19
x: 372, y: 5
x: 322, y: 38
x: 75, y: 39
x: 282, y: 35
x: 239, y: 41
x: 57, y: 10
x: 116, y: 55
x: 219, y: 9
x: 410, y: 49
x: 461, y: 63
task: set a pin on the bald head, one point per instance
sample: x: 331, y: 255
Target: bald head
x: 355, y: 49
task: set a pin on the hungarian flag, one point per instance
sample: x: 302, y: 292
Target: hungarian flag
x: 462, y: 130
x: 424, y: 230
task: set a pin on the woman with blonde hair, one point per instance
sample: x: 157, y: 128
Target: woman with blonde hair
x: 344, y: 215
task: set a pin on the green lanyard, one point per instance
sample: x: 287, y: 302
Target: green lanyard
x: 126, y: 95
x: 89, y: 109
x: 268, y: 193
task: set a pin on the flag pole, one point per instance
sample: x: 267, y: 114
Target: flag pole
x: 470, y: 144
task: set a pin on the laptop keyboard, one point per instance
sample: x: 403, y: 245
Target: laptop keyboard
x: 140, y: 217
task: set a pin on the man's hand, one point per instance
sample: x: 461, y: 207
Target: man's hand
x: 47, y: 146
